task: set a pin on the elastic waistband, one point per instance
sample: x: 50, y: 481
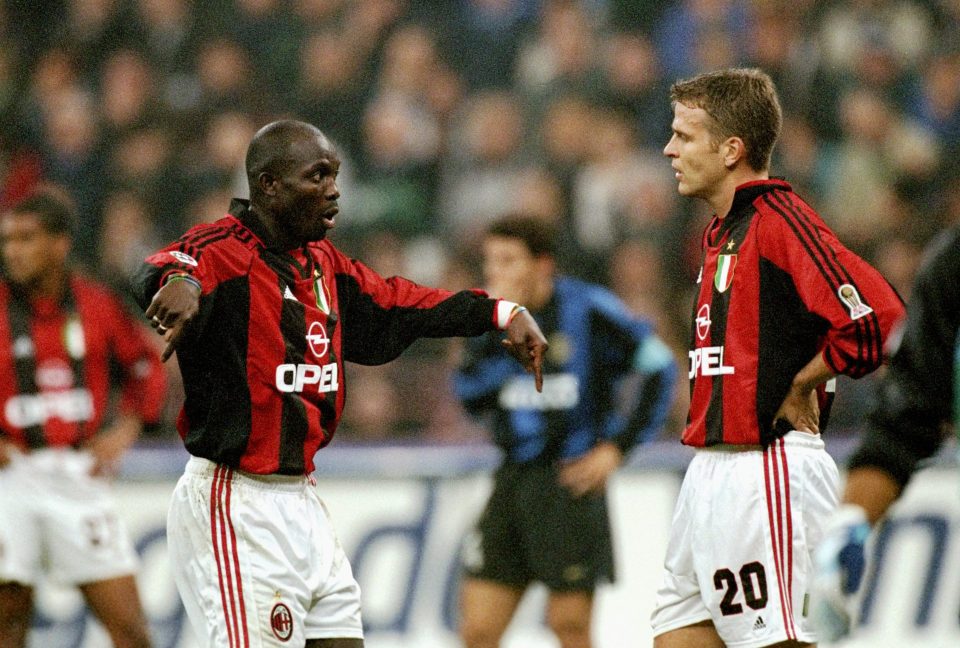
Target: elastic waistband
x: 793, y: 439
x: 201, y: 467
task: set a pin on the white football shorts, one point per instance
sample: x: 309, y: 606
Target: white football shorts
x: 746, y: 524
x: 256, y: 560
x: 58, y: 520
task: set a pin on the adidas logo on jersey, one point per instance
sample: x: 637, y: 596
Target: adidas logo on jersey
x: 759, y: 625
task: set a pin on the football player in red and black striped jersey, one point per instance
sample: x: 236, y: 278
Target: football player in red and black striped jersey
x: 62, y: 339
x: 781, y: 309
x: 263, y: 311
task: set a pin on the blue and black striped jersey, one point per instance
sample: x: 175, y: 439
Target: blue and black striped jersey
x: 606, y: 376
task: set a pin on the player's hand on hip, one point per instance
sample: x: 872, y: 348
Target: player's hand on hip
x: 174, y: 305
x: 526, y: 342
x: 800, y: 410
x: 839, y: 564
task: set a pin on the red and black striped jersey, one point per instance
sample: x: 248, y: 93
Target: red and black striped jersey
x: 776, y: 288
x: 262, y: 363
x: 59, y: 360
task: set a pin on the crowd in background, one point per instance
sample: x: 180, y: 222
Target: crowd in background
x: 450, y: 113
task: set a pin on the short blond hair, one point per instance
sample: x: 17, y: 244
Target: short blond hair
x: 741, y: 102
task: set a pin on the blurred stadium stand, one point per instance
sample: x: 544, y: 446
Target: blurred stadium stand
x: 450, y: 112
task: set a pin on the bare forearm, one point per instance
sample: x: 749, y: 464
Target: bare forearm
x: 813, y: 374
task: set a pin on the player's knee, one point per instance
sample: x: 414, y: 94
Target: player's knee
x: 16, y: 612
x: 129, y: 634
x: 13, y: 629
x: 572, y: 631
x: 476, y: 634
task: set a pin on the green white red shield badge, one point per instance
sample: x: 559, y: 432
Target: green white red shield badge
x: 724, y: 275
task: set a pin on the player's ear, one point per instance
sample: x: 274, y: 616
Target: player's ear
x: 547, y: 264
x: 62, y: 246
x: 267, y: 183
x: 733, y: 149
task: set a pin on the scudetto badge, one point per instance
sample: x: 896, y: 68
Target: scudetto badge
x: 724, y: 275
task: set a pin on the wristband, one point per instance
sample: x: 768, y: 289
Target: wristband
x: 506, y: 311
x: 184, y: 277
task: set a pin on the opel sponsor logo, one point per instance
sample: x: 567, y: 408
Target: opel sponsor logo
x: 317, y: 339
x: 703, y: 321
x: 293, y: 378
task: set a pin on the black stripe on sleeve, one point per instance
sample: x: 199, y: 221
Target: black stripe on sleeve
x: 870, y: 323
x: 867, y: 332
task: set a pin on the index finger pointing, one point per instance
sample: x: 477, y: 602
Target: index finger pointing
x: 171, y: 343
x: 538, y: 367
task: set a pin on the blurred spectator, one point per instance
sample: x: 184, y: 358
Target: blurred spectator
x: 92, y: 29
x: 449, y: 112
x: 332, y: 86
x: 853, y: 29
x: 936, y: 105
x: 226, y: 81
x: 126, y: 93
x: 483, y: 164
x: 564, y: 139
x: 616, y: 169
x: 396, y: 178
x: 898, y: 260
x: 484, y: 39
x: 633, y: 82
x: 221, y: 157
x: 880, y: 148
x: 127, y: 238
x: 694, y: 36
x: 373, y: 418
x: 165, y: 33
x: 269, y: 34
x: 20, y: 171
x: 74, y: 159
x: 871, y: 43
x: 561, y: 58
x: 141, y: 162
x: 635, y: 274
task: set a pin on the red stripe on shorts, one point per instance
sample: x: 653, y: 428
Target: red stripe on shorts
x: 775, y: 512
x: 215, y: 489
x: 786, y: 490
x: 236, y: 568
x: 227, y: 552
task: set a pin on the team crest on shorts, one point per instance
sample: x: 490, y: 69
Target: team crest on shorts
x: 281, y: 622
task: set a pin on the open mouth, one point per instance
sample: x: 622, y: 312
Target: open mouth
x: 329, y: 217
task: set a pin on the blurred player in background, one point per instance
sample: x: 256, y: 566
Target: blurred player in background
x: 607, y: 386
x: 263, y: 312
x: 782, y: 308
x: 916, y: 403
x: 62, y: 337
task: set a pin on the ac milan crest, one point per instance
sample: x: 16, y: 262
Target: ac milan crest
x: 281, y: 622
